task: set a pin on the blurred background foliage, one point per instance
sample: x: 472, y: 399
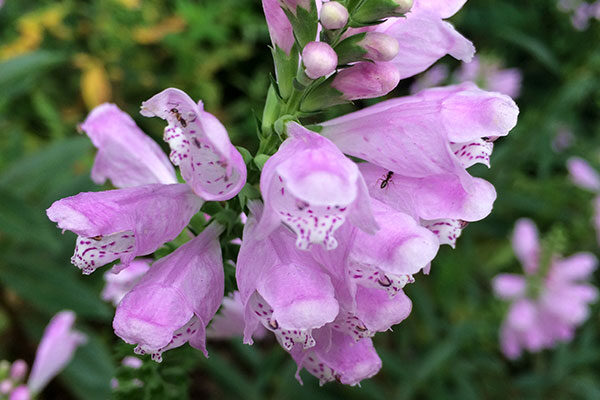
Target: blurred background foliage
x: 58, y: 59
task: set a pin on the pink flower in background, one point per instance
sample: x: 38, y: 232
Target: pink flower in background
x: 586, y: 177
x: 120, y: 280
x: 229, y: 322
x: 548, y: 302
x: 55, y: 351
x: 489, y: 75
x: 434, y: 76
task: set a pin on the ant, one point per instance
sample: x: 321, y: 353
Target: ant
x: 97, y: 238
x: 179, y: 117
x: 386, y: 180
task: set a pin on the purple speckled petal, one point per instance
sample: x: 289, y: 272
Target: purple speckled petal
x: 312, y: 188
x: 126, y: 155
x: 124, y: 223
x: 447, y: 230
x: 200, y: 145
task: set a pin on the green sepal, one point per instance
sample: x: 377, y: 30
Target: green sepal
x: 372, y: 12
x: 286, y: 67
x: 349, y: 49
x: 323, y: 96
x: 270, y: 112
x: 248, y: 192
x: 305, y: 23
x: 260, y: 161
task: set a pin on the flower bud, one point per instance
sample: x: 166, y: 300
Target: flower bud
x: 374, y: 46
x: 375, y: 10
x: 366, y: 80
x: 18, y: 370
x: 333, y: 15
x: 319, y: 59
x: 363, y: 80
x: 379, y: 46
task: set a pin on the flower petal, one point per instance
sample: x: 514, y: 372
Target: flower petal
x: 55, y: 350
x: 526, y: 244
x: 152, y: 214
x: 126, y: 155
x: 583, y: 175
x: 200, y: 145
x: 424, y: 38
x: 509, y: 286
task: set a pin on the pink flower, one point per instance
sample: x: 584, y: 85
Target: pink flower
x: 310, y: 186
x: 229, y: 322
x: 55, y: 350
x: 126, y: 155
x: 424, y: 37
x: 539, y: 319
x: 200, y: 145
x: 418, y: 148
x: 175, y: 300
x: 119, y: 280
x: 489, y: 75
x: 583, y: 175
x: 124, y: 223
x: 280, y: 28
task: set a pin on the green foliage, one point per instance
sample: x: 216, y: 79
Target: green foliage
x: 218, y: 51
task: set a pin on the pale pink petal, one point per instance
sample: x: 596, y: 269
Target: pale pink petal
x: 509, y: 286
x: 55, y: 350
x: 126, y: 155
x: 526, y: 244
x: 124, y: 223
x: 175, y: 299
x: 583, y: 175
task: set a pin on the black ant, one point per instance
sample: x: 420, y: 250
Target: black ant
x: 179, y: 117
x: 97, y: 238
x: 387, y: 180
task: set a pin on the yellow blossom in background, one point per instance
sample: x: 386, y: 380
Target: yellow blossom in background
x: 131, y: 4
x: 153, y: 34
x: 31, y: 28
x: 95, y: 85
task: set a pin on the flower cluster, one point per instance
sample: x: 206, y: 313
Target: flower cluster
x: 550, y: 301
x: 54, y: 352
x: 581, y: 12
x: 348, y: 211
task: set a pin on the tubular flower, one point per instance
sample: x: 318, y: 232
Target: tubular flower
x: 126, y: 155
x: 310, y: 186
x: 200, y: 145
x: 175, y: 300
x: 424, y: 37
x: 418, y: 147
x: 124, y: 223
x: 282, y: 287
x: 279, y: 26
x: 584, y: 176
x: 230, y: 321
x: 539, y: 319
x: 119, y: 281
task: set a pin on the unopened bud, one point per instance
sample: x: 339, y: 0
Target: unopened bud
x: 333, y: 15
x: 375, y: 10
x: 362, y: 80
x: 366, y: 80
x: 319, y: 59
x: 18, y: 370
x: 379, y: 46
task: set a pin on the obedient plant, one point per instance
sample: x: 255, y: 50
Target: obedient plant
x: 550, y: 300
x: 342, y: 214
x: 54, y: 352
